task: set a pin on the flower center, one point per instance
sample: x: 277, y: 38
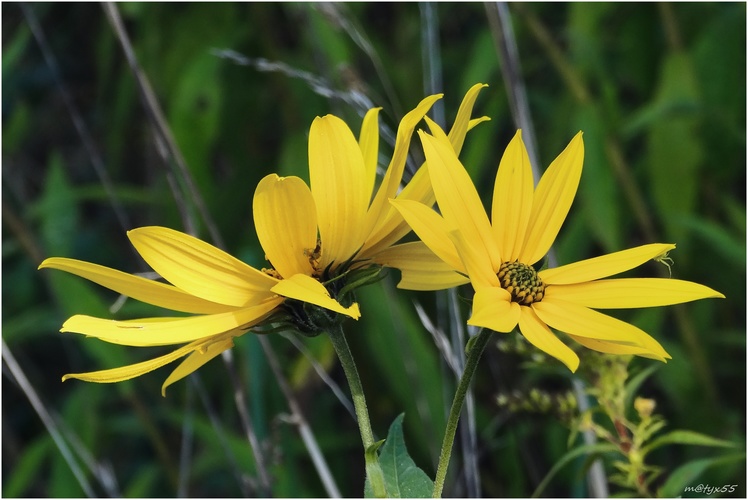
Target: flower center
x: 522, y: 282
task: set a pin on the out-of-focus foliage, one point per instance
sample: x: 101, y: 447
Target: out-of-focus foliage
x: 658, y: 89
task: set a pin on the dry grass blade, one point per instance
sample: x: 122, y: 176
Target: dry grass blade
x: 47, y: 420
x: 297, y: 417
x: 78, y: 123
x: 164, y: 136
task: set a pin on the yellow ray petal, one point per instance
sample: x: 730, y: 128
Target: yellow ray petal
x: 195, y: 360
x: 368, y: 141
x: 338, y: 178
x: 512, y: 199
x: 462, y: 121
x: 307, y: 289
x: 421, y: 269
x: 391, y: 227
x: 603, y: 266
x: 477, y: 263
x: 458, y: 200
x: 200, y: 269
x: 286, y: 223
x: 624, y: 293
x: 391, y: 181
x: 135, y: 370
x: 552, y: 200
x: 614, y: 348
x: 432, y: 229
x: 142, y: 289
x: 539, y: 335
x: 584, y: 322
x: 166, y: 331
x: 492, y: 308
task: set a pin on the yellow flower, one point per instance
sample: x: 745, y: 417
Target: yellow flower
x: 226, y: 297
x: 498, y: 255
x: 341, y: 221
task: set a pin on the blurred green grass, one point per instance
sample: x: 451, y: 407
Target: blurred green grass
x: 658, y: 89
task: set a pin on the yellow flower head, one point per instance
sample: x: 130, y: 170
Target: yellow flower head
x: 342, y: 223
x: 311, y: 237
x: 498, y: 256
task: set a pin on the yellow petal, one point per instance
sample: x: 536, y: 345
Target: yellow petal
x: 584, y: 322
x: 391, y: 227
x: 462, y: 121
x: 539, y: 335
x: 368, y: 141
x: 421, y: 269
x: 493, y: 308
x: 432, y: 229
x: 626, y: 293
x: 134, y: 370
x: 338, y: 178
x: 391, y: 182
x: 603, y: 266
x: 286, y: 223
x: 166, y: 331
x: 552, y: 200
x: 512, y: 199
x: 195, y: 360
x: 142, y: 289
x: 200, y: 269
x: 307, y: 289
x: 477, y: 263
x: 614, y: 348
x: 458, y: 200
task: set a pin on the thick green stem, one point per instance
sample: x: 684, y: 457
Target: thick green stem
x: 474, y: 354
x: 373, y: 469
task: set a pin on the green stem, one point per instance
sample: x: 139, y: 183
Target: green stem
x: 373, y: 469
x: 474, y: 354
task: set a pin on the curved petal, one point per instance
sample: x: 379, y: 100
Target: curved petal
x: 167, y: 331
x: 338, y: 178
x: 492, y: 308
x: 391, y: 227
x: 200, y: 269
x: 421, y: 269
x: 379, y: 207
x: 307, y: 289
x: 614, y: 348
x: 458, y: 200
x: 477, y: 264
x: 286, y: 223
x: 432, y: 229
x: 512, y: 199
x: 552, y: 200
x: 584, y: 322
x: 624, y: 293
x: 538, y: 334
x: 462, y: 121
x: 197, y: 359
x: 603, y: 266
x: 135, y: 370
x: 142, y: 289
x: 368, y: 141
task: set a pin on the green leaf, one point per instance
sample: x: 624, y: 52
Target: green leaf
x: 675, y: 149
x: 25, y: 471
x: 686, y: 474
x: 568, y: 457
x: 402, y: 478
x: 686, y: 437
